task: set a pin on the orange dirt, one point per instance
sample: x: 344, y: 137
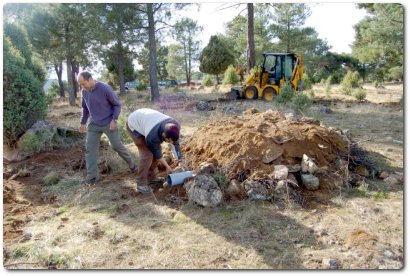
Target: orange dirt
x: 257, y: 142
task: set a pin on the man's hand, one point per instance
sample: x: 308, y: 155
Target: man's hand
x: 169, y: 169
x: 113, y: 125
x: 82, y: 128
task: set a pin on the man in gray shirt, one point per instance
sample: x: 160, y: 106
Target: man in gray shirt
x: 148, y: 128
x: 100, y: 103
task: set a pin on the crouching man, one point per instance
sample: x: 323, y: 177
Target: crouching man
x: 148, y: 128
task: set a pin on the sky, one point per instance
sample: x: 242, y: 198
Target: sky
x: 333, y: 21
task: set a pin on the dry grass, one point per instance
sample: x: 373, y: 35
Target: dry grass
x: 109, y: 227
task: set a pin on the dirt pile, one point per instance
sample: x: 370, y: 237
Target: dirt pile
x: 256, y: 142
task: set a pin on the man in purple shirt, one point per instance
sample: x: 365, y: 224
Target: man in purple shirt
x: 100, y: 103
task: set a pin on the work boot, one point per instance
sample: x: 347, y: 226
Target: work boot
x: 143, y: 189
x: 91, y: 181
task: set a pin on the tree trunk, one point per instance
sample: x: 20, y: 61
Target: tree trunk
x: 70, y: 87
x: 217, y: 79
x: 288, y: 39
x: 121, y: 66
x: 152, y: 54
x: 75, y: 69
x: 186, y: 57
x: 58, y: 67
x: 251, y: 40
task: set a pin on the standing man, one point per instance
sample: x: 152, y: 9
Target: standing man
x: 148, y: 128
x: 101, y: 104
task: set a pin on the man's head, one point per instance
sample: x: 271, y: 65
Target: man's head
x: 171, y: 133
x: 85, y: 80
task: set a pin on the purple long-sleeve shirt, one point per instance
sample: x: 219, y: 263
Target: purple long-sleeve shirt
x: 101, y: 104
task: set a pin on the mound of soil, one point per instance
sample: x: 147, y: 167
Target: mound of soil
x: 255, y: 142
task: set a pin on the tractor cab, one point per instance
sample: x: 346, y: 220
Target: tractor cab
x: 276, y: 70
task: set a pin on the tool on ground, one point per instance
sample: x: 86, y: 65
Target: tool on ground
x: 178, y: 178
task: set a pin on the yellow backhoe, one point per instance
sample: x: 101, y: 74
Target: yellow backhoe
x: 276, y: 70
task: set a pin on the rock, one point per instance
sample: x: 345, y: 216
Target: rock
x: 331, y: 181
x: 290, y: 116
x: 27, y: 236
x: 311, y: 182
x: 308, y: 166
x: 234, y: 189
x: 280, y: 172
x: 292, y: 181
x: 324, y: 109
x: 281, y: 190
x: 257, y: 191
x: 204, y: 190
x: 272, y: 154
x: 203, y: 106
x: 310, y: 120
x: 294, y: 168
x: 383, y: 175
x: 329, y: 263
x: 229, y: 109
x: 398, y: 176
x: 206, y: 167
x: 388, y: 254
x: 391, y: 180
x: 250, y: 111
x: 362, y: 170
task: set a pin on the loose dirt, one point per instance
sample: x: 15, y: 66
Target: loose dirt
x: 256, y: 142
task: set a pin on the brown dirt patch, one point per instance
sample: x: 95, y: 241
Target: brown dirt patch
x: 257, y: 142
x: 362, y: 239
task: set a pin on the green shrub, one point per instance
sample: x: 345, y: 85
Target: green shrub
x: 360, y: 94
x: 51, y: 179
x: 52, y: 93
x: 396, y: 73
x: 351, y: 80
x: 33, y: 142
x: 328, y: 86
x: 122, y: 127
x: 221, y: 179
x: 207, y: 81
x: 286, y: 93
x: 230, y: 76
x: 301, y: 102
x: 141, y: 87
x: 307, y: 82
x: 24, y: 172
x: 23, y: 97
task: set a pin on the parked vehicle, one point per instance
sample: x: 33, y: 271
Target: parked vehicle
x: 168, y: 83
x: 131, y: 84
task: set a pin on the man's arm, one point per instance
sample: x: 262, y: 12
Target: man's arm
x: 84, y: 115
x: 155, y: 147
x: 115, y: 102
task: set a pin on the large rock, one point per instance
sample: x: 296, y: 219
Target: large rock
x: 257, y: 190
x: 235, y: 190
x: 39, y: 137
x: 204, y: 191
x: 311, y: 182
x: 280, y: 172
x: 308, y: 165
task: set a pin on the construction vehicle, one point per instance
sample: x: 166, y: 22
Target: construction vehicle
x: 276, y: 70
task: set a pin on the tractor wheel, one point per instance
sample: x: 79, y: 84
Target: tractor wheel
x: 269, y: 94
x: 251, y: 93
